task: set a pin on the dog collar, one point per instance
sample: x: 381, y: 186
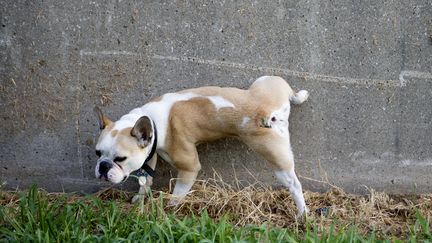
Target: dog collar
x: 146, y: 170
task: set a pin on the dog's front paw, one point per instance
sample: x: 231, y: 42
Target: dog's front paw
x: 138, y: 198
x: 175, y: 201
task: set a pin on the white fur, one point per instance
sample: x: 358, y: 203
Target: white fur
x: 299, y: 97
x: 280, y: 125
x: 220, y: 102
x: 289, y: 179
x: 116, y: 174
x: 109, y: 147
x: 97, y: 169
x: 181, y: 189
x: 159, y: 112
x: 261, y: 79
x: 245, y: 121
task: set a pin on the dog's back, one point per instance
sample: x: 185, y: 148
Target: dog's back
x: 221, y: 112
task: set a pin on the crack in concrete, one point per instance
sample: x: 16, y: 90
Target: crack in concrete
x: 102, y: 53
x: 77, y: 123
x: 412, y: 74
x: 303, y: 75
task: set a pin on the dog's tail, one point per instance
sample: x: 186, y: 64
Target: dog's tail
x: 299, y: 97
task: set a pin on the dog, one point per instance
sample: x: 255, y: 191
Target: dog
x: 172, y: 125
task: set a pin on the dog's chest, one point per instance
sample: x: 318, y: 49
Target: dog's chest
x: 164, y: 155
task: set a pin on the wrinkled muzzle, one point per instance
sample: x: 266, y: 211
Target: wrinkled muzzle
x: 109, y: 171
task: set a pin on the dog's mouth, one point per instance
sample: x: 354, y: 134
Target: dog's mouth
x: 115, y: 175
x: 103, y: 177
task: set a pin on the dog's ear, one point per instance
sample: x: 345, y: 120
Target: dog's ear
x: 143, y: 131
x: 102, y: 119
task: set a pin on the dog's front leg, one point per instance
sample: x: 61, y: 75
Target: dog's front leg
x: 183, y: 184
x: 145, y: 187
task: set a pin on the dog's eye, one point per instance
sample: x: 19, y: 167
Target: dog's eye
x: 119, y: 159
x: 98, y: 153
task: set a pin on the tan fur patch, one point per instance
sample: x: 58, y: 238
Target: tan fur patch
x: 126, y: 142
x: 257, y: 103
x: 109, y: 127
x: 106, y: 131
x: 126, y: 131
x: 114, y: 133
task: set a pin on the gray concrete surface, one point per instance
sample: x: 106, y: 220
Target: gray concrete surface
x: 367, y: 65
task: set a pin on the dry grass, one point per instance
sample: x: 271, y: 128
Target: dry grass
x: 255, y: 204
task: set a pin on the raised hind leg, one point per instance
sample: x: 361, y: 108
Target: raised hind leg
x: 277, y: 150
x: 289, y: 179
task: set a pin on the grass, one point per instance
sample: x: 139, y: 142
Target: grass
x: 37, y: 216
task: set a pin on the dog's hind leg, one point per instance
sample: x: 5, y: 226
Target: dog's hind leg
x: 289, y: 179
x: 277, y: 150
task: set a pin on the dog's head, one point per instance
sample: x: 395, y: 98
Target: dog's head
x: 122, y: 148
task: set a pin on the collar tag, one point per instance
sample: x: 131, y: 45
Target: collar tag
x: 145, y: 170
x: 142, y: 180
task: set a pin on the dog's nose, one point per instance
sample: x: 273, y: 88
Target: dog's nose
x: 104, y: 167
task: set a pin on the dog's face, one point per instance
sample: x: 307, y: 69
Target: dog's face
x: 122, y: 149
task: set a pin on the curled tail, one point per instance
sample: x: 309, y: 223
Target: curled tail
x: 299, y: 97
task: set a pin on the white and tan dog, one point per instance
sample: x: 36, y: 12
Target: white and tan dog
x: 173, y: 124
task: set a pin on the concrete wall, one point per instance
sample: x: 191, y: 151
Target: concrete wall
x: 367, y: 65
